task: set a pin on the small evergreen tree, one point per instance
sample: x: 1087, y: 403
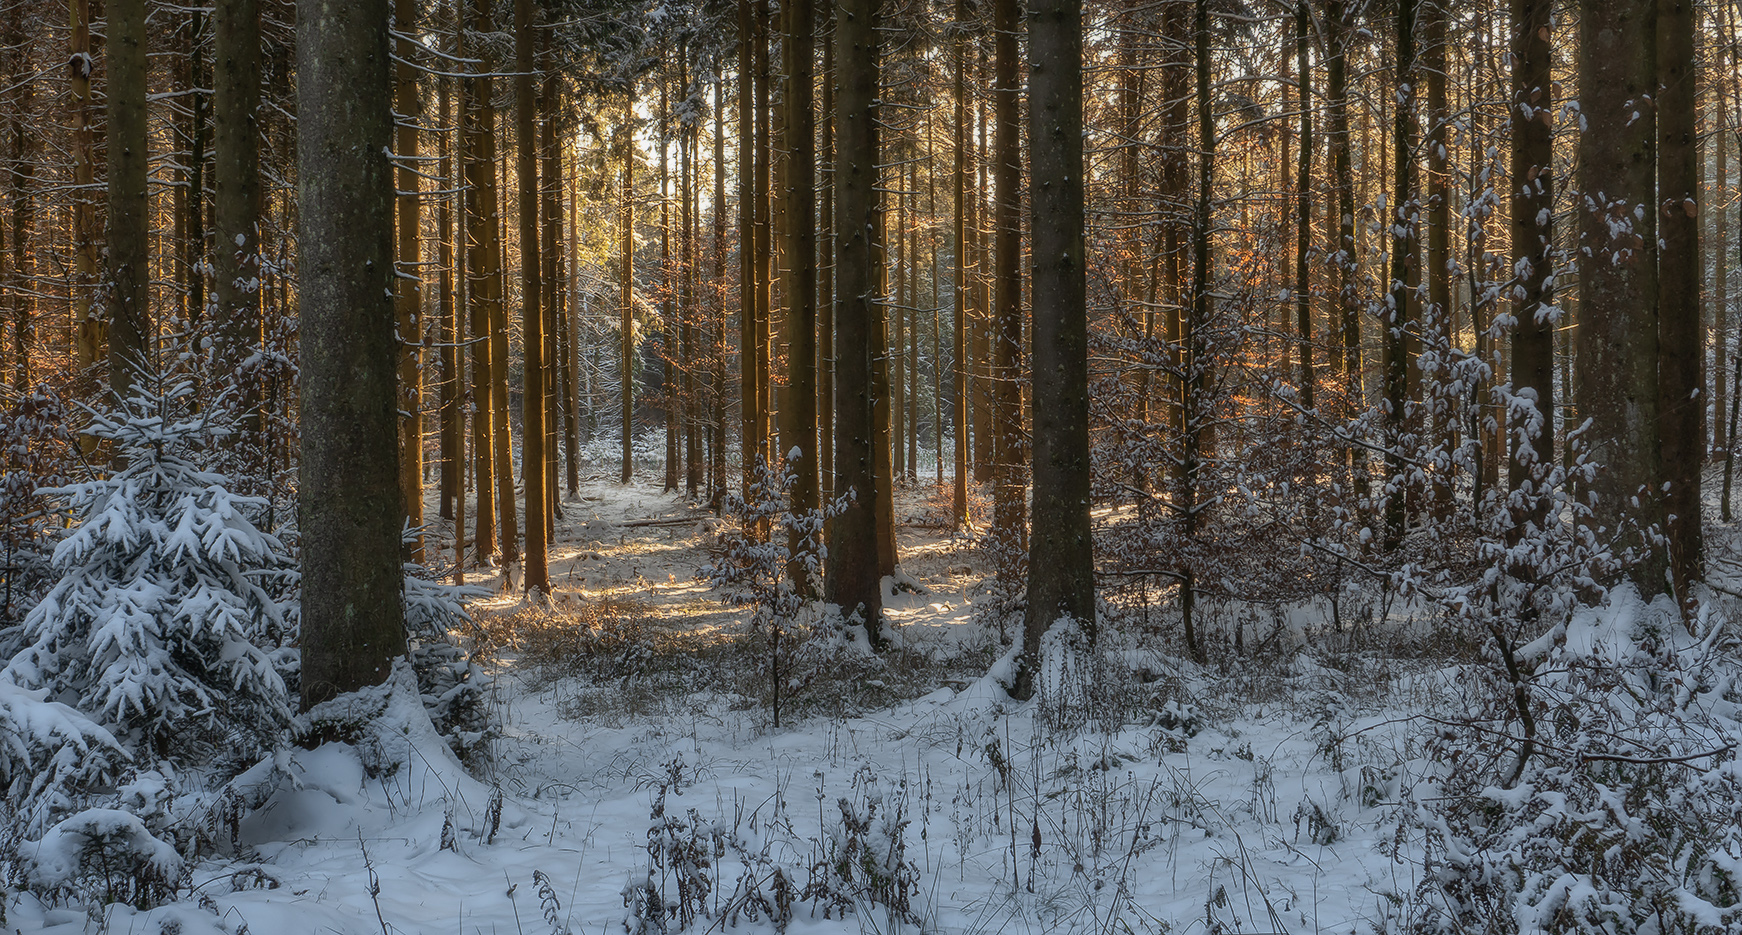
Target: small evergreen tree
x: 164, y: 623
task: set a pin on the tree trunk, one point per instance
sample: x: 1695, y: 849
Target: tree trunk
x: 1617, y: 338
x: 1399, y: 325
x: 532, y: 409
x: 1532, y: 437
x: 1681, y: 361
x: 483, y: 283
x: 21, y: 173
x: 959, y: 191
x: 453, y: 419
x: 408, y: 286
x: 852, y: 575
x: 1061, y: 568
x: 1304, y: 209
x: 352, y: 622
x: 1009, y: 510
x: 88, y: 331
x: 626, y: 282
x: 129, y: 244
x: 798, y: 410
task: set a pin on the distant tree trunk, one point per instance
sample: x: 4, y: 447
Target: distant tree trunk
x: 959, y: 191
x: 352, y: 622
x: 507, y: 521
x: 1061, y: 569
x: 1721, y: 285
x: 852, y: 574
x: 749, y: 394
x: 798, y: 410
x: 1009, y: 509
x: 1436, y: 322
x: 1617, y: 338
x: 532, y: 409
x: 1402, y: 215
x: 483, y: 282
x: 88, y: 331
x: 572, y: 343
x: 672, y: 402
x: 1347, y: 307
x: 407, y: 287
x: 1532, y: 439
x: 1681, y: 361
x: 236, y: 197
x: 453, y: 419
x: 627, y: 284
x: 551, y: 271
x: 1303, y: 297
x: 687, y: 139
x: 826, y: 270
x: 129, y: 243
x: 717, y: 450
x: 21, y: 172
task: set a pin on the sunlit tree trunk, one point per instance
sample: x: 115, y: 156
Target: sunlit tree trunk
x: 407, y: 287
x: 532, y: 416
x: 1009, y: 509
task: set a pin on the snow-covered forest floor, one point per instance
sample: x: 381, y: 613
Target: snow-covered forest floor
x: 638, y: 765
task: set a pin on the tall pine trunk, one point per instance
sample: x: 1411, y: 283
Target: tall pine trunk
x: 1061, y: 570
x: 352, y: 620
x: 852, y: 575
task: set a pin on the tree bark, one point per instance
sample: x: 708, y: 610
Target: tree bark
x: 408, y: 286
x: 1399, y: 324
x: 352, y: 622
x: 1061, y: 569
x: 1532, y: 437
x: 852, y: 575
x: 1009, y: 509
x: 626, y: 283
x: 1617, y: 338
x: 129, y: 244
x: 532, y: 407
x: 1681, y: 361
x: 483, y: 282
x: 798, y: 410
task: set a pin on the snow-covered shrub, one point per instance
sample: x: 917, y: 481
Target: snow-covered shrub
x: 772, y: 545
x: 1618, y: 809
x: 451, y: 682
x: 106, y: 852
x: 862, y: 864
x: 51, y: 756
x: 35, y: 448
x: 167, y: 612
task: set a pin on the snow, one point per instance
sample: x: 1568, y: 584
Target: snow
x: 1262, y: 798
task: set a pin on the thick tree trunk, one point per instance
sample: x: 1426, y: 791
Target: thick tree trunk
x: 532, y: 409
x: 852, y: 574
x: 352, y: 622
x: 1617, y: 338
x: 129, y: 244
x: 1061, y: 568
x: 1681, y: 361
x: 1532, y: 437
